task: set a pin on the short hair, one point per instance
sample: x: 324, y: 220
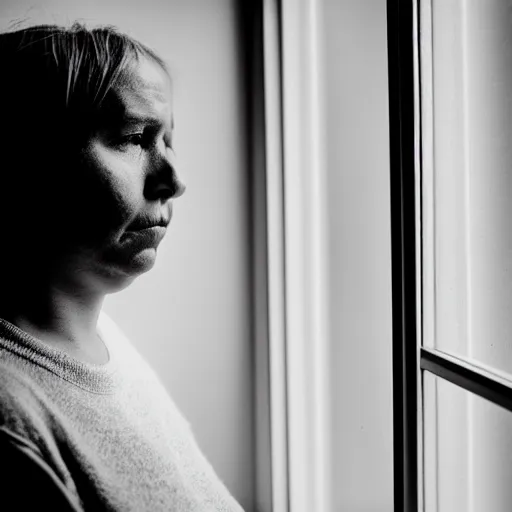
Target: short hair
x: 55, y: 78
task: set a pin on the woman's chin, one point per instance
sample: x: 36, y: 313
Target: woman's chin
x: 118, y: 278
x: 141, y: 262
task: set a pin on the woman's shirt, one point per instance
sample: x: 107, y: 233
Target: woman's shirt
x: 82, y: 437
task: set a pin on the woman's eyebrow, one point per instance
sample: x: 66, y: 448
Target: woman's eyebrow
x: 129, y: 118
x: 132, y: 119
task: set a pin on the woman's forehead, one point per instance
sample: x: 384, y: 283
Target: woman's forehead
x: 144, y: 91
x: 145, y: 74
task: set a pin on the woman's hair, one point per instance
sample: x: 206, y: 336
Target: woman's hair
x: 55, y: 79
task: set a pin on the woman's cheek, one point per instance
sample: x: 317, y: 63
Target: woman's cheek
x: 118, y: 182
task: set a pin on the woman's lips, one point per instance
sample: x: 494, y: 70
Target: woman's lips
x: 147, y: 224
x: 144, y: 237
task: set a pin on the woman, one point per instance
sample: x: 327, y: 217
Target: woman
x: 86, y: 193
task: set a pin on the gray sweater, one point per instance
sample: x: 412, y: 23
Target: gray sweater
x: 81, y: 437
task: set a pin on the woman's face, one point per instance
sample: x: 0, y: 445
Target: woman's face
x: 122, y: 188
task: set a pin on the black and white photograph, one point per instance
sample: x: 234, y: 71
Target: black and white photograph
x: 256, y: 255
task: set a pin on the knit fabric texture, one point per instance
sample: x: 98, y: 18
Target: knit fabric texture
x: 101, y: 437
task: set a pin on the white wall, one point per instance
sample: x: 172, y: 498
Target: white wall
x: 360, y: 254
x: 190, y: 316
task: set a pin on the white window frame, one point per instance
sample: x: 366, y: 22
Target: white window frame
x: 291, y: 262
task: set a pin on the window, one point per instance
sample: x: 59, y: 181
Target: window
x: 451, y: 126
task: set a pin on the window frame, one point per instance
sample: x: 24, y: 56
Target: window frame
x: 410, y: 229
x: 402, y: 124
x: 266, y: 162
x: 289, y: 257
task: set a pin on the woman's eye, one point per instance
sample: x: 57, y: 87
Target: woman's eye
x: 141, y: 140
x: 137, y: 139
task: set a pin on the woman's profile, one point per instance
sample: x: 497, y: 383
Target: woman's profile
x: 87, y: 185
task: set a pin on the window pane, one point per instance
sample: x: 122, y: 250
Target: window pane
x: 469, y: 155
x: 468, y: 442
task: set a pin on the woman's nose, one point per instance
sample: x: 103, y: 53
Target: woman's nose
x: 163, y: 182
x: 179, y: 189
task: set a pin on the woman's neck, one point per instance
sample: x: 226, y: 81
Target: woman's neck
x: 57, y: 316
